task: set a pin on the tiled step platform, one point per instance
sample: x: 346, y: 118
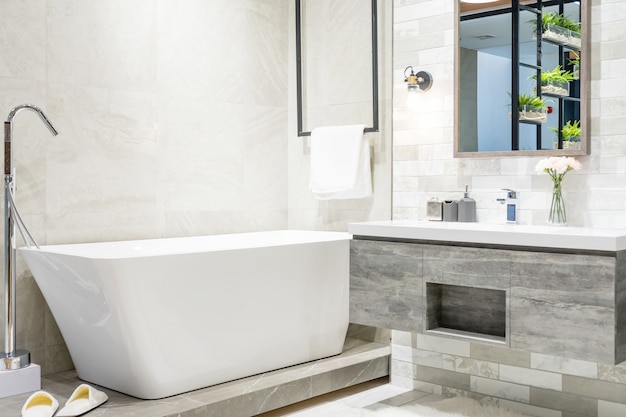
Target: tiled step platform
x: 360, y: 361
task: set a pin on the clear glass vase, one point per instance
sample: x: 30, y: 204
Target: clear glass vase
x: 557, y: 216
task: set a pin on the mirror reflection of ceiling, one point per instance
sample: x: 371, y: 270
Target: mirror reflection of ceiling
x: 492, y: 33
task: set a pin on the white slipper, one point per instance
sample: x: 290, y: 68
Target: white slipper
x: 40, y: 404
x: 84, y: 398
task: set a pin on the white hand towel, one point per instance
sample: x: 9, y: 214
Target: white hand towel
x: 340, y: 163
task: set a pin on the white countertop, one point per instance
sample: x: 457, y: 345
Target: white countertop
x: 496, y: 234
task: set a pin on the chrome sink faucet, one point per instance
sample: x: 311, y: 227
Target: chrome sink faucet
x: 511, y: 205
x: 12, y: 358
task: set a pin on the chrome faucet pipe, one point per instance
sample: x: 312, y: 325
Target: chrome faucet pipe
x: 12, y: 358
x: 8, y: 132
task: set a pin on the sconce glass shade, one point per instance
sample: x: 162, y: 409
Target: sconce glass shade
x: 413, y: 100
x: 422, y: 81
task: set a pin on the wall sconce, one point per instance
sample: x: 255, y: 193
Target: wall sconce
x: 422, y: 81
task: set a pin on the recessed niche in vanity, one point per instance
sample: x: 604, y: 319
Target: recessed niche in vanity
x: 477, y: 313
x: 555, y: 291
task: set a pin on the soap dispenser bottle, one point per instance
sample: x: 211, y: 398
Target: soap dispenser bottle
x: 467, y: 208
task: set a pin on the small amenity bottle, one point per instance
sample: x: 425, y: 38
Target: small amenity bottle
x: 467, y: 208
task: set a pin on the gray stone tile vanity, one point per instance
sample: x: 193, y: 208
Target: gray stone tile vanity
x: 548, y: 290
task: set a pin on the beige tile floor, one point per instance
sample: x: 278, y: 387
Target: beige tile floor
x: 350, y: 402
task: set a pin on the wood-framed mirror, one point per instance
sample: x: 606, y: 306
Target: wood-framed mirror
x: 497, y: 43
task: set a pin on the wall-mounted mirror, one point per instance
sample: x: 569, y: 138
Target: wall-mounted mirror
x: 522, y: 78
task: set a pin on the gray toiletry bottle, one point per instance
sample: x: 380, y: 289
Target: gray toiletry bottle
x: 467, y: 208
x: 450, y: 211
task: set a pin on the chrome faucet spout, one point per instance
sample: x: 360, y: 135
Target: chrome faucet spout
x: 37, y: 110
x: 8, y: 132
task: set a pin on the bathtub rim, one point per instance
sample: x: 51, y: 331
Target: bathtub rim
x: 153, y: 247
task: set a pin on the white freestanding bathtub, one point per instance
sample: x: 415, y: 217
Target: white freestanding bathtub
x: 155, y: 318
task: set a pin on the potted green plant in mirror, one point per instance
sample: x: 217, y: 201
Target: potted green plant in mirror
x: 532, y: 108
x: 570, y: 132
x: 560, y: 29
x: 555, y: 82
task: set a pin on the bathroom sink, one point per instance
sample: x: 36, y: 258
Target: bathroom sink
x: 496, y: 234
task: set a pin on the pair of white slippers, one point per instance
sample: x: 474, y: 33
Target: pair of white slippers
x: 84, y: 398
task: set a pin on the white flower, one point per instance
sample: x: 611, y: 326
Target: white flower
x: 557, y: 167
x: 558, y: 164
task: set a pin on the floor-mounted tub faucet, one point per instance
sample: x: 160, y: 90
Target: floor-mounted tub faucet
x: 12, y: 358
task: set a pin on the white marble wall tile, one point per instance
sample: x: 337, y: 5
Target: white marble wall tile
x: 23, y: 34
x: 612, y: 11
x: 564, y: 365
x: 419, y: 10
x: 336, y: 41
x: 402, y: 369
x: 409, y: 383
x: 406, y: 43
x: 443, y: 345
x: 265, y: 159
x: 104, y: 159
x: 401, y: 381
x: 401, y: 213
x: 70, y: 227
x: 417, y: 356
x: 347, y: 47
x: 194, y: 58
x: 606, y: 219
x: 102, y: 44
x: 500, y: 389
x: 427, y: 387
x: 613, y: 145
x: 192, y: 223
x: 201, y: 154
x: 531, y: 377
x: 607, y: 200
x: 493, y: 183
x: 417, y: 136
x: 613, y: 46
x: 405, y: 30
x: 470, y: 366
x: 610, y: 409
x: 513, y: 166
x: 405, y: 199
x: 403, y: 338
x: 405, y: 184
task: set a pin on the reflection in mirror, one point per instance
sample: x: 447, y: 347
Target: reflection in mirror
x: 544, y: 110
